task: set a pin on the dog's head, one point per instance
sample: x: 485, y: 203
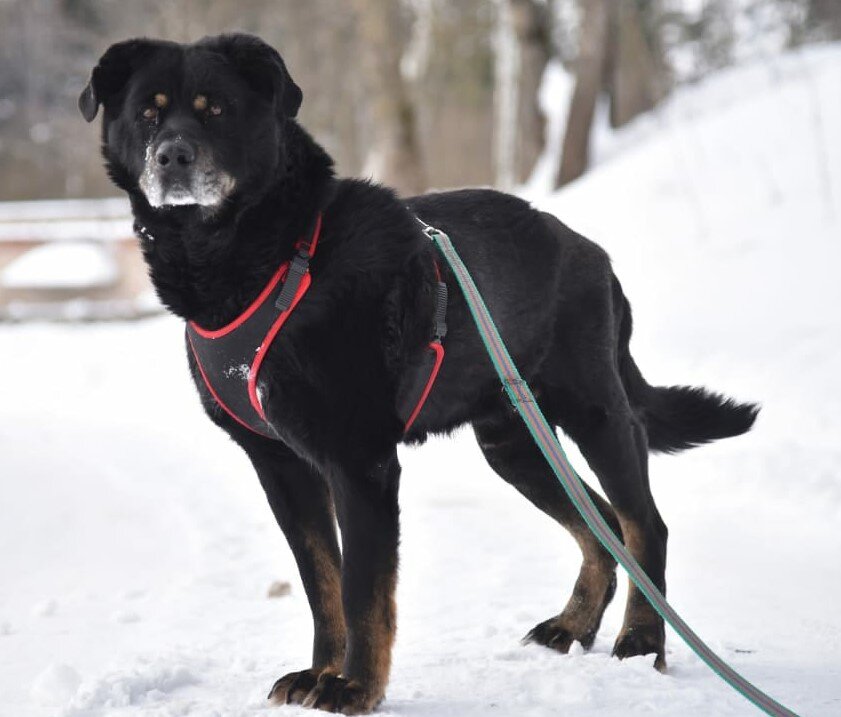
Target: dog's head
x: 192, y: 124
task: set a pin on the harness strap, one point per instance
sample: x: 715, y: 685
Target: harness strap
x: 298, y: 268
x: 418, y: 392
x: 544, y: 436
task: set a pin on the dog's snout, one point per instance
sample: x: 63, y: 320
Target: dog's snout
x: 175, y: 152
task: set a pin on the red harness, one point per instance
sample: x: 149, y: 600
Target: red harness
x: 229, y: 359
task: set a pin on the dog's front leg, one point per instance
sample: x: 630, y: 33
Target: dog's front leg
x: 301, y: 502
x: 366, y: 504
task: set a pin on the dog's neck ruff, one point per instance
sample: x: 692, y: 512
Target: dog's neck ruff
x: 229, y: 358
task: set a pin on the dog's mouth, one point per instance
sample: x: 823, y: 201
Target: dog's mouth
x: 203, y: 184
x: 179, y: 195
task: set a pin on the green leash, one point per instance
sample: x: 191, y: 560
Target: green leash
x: 544, y: 436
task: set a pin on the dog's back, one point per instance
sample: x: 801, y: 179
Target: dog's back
x: 562, y: 312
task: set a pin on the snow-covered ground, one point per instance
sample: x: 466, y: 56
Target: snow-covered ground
x: 136, y: 549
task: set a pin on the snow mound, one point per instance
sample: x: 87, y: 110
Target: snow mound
x: 71, y: 265
x: 138, y: 687
x: 103, y: 220
x: 55, y: 685
x: 724, y: 230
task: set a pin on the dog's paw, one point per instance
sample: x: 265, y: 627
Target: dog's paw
x: 643, y: 640
x: 291, y: 689
x: 338, y: 694
x: 554, y: 634
x: 579, y: 622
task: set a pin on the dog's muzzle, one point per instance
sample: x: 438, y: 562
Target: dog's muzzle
x: 177, y: 172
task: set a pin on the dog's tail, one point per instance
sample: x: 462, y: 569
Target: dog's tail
x: 679, y: 417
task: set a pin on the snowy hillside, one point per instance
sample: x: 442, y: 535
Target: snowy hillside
x: 136, y: 548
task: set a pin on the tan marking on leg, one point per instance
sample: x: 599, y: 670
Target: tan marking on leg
x: 379, y: 627
x: 640, y: 616
x: 328, y: 612
x: 638, y: 610
x: 587, y: 602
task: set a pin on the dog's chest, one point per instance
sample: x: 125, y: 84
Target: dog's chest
x: 229, y: 361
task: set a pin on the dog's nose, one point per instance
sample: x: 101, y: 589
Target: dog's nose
x: 175, y: 152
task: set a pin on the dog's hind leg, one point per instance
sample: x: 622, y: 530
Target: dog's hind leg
x: 585, y: 395
x: 597, y: 416
x: 511, y: 452
x: 301, y: 502
x: 617, y: 451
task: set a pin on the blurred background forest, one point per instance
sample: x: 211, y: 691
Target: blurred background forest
x: 416, y: 93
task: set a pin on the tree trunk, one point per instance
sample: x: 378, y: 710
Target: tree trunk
x: 823, y: 17
x: 506, y: 96
x: 532, y: 26
x: 636, y: 81
x: 590, y: 72
x: 394, y: 157
x: 522, y: 51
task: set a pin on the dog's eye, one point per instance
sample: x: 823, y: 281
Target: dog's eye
x: 159, y: 101
x: 203, y: 105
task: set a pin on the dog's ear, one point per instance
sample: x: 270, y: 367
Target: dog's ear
x: 261, y: 66
x: 111, y: 74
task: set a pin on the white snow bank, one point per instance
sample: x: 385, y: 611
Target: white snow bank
x: 51, y: 209
x: 66, y: 220
x: 76, y: 265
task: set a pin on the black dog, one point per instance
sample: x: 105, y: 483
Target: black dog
x: 224, y: 184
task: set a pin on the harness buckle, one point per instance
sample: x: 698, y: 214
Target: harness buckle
x: 297, y: 268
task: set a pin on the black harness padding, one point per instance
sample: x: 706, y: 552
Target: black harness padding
x: 229, y: 358
x: 225, y: 363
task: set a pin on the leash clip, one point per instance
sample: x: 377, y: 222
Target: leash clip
x: 429, y: 231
